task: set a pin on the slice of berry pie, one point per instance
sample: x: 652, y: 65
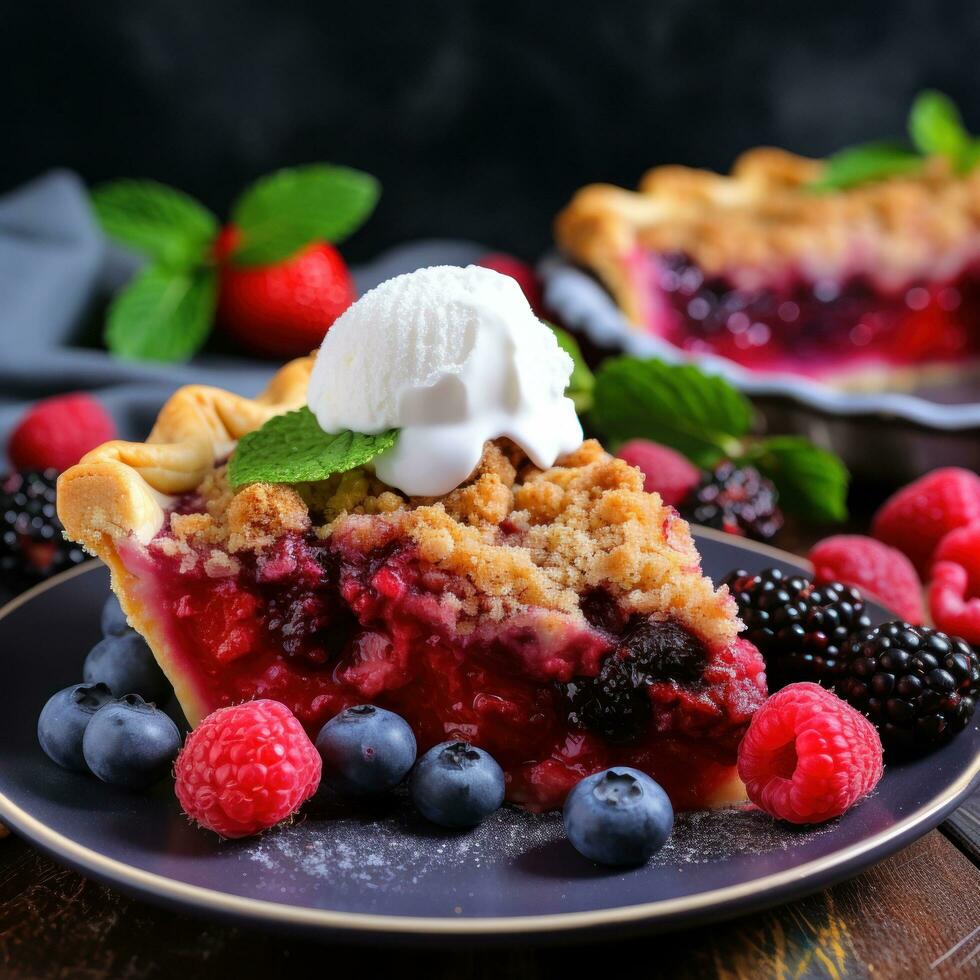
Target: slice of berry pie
x: 873, y: 285
x: 554, y: 615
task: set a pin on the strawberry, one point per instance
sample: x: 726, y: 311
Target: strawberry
x: 282, y: 309
x: 271, y: 275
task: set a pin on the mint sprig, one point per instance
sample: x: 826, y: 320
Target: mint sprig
x: 166, y: 313
x: 281, y: 213
x: 707, y: 419
x: 935, y: 128
x: 292, y: 448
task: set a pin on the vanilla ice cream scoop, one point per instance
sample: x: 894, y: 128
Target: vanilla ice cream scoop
x: 451, y: 357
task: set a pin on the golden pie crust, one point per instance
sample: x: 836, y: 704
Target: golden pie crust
x: 763, y: 217
x: 119, y: 491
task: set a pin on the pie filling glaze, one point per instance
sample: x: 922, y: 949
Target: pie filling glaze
x: 811, y: 327
x: 558, y: 619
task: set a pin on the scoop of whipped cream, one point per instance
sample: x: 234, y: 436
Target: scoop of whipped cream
x: 451, y: 357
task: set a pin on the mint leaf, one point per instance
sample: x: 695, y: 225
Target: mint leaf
x: 283, y: 212
x: 812, y: 482
x: 292, y: 448
x: 168, y: 226
x: 163, y: 314
x: 700, y: 415
x: 868, y: 162
x: 936, y: 128
x: 582, y: 382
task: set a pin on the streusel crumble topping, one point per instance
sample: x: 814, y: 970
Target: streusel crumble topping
x: 763, y: 215
x: 518, y: 535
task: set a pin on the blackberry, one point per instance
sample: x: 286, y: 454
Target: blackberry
x: 312, y: 627
x: 32, y: 543
x: 798, y: 627
x: 603, y: 612
x: 614, y: 703
x: 735, y: 499
x: 918, y: 685
x: 663, y: 651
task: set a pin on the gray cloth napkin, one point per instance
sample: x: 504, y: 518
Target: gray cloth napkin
x: 56, y: 273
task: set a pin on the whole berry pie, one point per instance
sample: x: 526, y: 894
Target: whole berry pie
x: 868, y: 286
x: 554, y: 616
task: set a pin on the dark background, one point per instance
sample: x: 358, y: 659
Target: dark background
x: 480, y: 118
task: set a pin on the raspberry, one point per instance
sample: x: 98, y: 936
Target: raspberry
x: 518, y: 270
x: 808, y: 756
x: 665, y: 471
x: 919, y: 516
x: 246, y: 768
x: 57, y: 432
x: 872, y: 566
x: 954, y: 591
x: 737, y: 500
x: 954, y: 610
x: 962, y: 546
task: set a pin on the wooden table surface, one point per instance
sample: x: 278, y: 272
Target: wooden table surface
x: 914, y: 915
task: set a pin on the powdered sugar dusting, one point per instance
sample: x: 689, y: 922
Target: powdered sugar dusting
x: 705, y: 836
x: 397, y: 850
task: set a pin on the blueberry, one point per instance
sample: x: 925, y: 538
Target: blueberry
x: 113, y: 618
x: 366, y: 751
x: 457, y: 785
x: 125, y: 663
x: 130, y: 743
x: 63, y: 721
x: 620, y: 816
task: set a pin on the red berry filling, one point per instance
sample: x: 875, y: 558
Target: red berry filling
x: 810, y: 326
x: 321, y: 625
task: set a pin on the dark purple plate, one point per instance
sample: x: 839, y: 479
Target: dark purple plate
x: 386, y: 873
